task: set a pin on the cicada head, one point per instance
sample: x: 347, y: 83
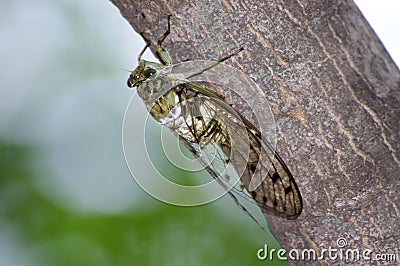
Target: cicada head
x: 142, y: 73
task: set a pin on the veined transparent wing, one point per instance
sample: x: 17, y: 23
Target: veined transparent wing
x: 219, y: 136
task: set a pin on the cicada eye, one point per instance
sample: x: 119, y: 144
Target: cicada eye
x: 130, y: 83
x: 148, y: 72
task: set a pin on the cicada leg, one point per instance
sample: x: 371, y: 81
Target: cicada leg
x: 143, y: 50
x: 161, y: 53
x: 211, y: 65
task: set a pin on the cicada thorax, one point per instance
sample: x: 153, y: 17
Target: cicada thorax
x: 155, y: 87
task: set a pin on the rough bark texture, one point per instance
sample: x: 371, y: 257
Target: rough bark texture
x: 335, y: 95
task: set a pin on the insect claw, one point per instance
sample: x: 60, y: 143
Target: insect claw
x: 230, y: 55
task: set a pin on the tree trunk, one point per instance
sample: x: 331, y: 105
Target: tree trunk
x: 334, y: 91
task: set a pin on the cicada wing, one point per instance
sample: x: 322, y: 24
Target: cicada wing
x: 267, y: 178
x: 270, y: 182
x: 219, y: 136
x: 214, y: 131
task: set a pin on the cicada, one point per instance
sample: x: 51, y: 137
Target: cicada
x: 206, y: 124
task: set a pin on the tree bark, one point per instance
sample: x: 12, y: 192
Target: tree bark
x: 334, y: 91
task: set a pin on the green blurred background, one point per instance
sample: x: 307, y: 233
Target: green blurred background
x: 66, y: 195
